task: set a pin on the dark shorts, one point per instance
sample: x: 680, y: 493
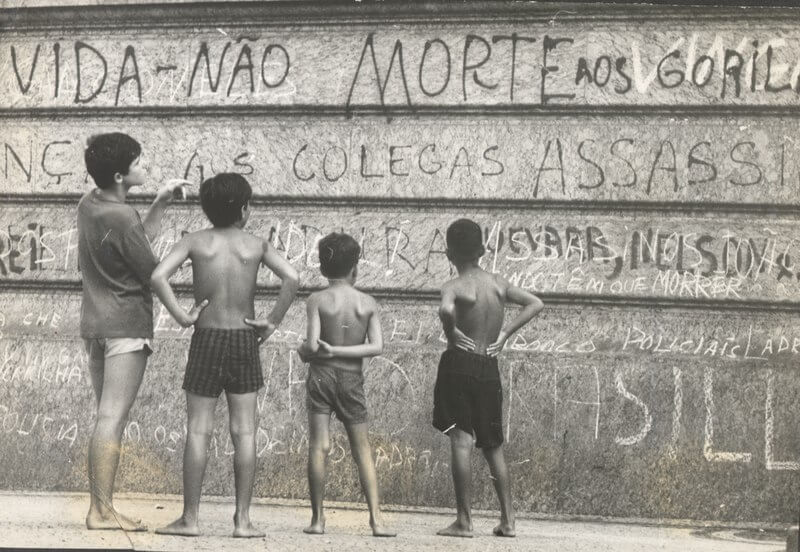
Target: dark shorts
x: 331, y: 389
x: 468, y: 396
x: 223, y: 359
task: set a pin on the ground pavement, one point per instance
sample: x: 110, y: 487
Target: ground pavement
x: 55, y: 520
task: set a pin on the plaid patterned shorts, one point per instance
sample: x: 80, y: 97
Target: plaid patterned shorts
x: 223, y: 359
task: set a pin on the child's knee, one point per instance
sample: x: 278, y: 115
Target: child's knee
x: 321, y: 445
x: 461, y: 439
x: 112, y: 419
x: 200, y: 428
x: 241, y: 431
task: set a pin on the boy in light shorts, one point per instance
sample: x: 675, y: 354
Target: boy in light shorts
x: 115, y: 261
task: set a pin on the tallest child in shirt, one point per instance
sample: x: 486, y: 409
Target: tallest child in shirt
x: 115, y: 261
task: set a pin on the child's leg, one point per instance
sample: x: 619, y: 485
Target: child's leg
x: 200, y: 425
x: 96, y: 369
x: 242, y: 413
x: 319, y: 445
x: 502, y: 484
x: 119, y: 384
x: 461, y: 467
x: 362, y: 454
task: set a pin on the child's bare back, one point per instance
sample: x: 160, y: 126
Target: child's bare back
x: 480, y: 300
x: 468, y: 393
x: 344, y: 315
x: 225, y: 264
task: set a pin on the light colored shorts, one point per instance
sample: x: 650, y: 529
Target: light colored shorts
x: 104, y: 347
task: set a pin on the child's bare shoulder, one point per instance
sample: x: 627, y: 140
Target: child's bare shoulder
x: 367, y: 301
x: 458, y: 286
x: 192, y: 239
x: 315, y: 297
x: 255, y: 243
x: 451, y: 285
x: 500, y: 282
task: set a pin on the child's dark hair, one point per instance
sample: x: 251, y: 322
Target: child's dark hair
x: 223, y: 196
x: 108, y: 154
x: 338, y: 253
x: 465, y: 240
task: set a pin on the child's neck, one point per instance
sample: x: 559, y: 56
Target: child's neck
x: 467, y: 267
x: 115, y: 192
x: 233, y: 227
x: 339, y: 282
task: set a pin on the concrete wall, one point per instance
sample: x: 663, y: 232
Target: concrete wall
x: 635, y: 166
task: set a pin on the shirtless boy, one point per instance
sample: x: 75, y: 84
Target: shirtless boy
x: 467, y: 397
x: 340, y: 319
x: 224, y: 350
x: 116, y: 261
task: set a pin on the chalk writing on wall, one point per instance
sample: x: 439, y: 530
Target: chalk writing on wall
x: 712, y: 259
x: 689, y: 161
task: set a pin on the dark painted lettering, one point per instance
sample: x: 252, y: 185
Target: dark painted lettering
x: 548, y: 45
x: 428, y: 45
x: 130, y: 54
x: 475, y: 66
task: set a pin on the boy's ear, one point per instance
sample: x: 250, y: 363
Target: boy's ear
x: 118, y: 177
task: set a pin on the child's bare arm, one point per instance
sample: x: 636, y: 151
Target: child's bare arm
x: 160, y: 282
x: 313, y: 327
x: 373, y: 347
x: 531, y: 305
x: 310, y: 345
x: 155, y: 214
x: 290, y: 281
x: 447, y: 314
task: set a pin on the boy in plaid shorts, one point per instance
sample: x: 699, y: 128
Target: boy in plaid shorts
x: 340, y: 319
x: 223, y: 354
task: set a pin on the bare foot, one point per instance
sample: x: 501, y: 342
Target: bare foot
x: 247, y: 531
x: 317, y: 527
x: 180, y: 528
x: 504, y: 530
x: 380, y: 530
x: 113, y: 520
x: 456, y: 529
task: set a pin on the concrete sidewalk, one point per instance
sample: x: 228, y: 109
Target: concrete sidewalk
x: 55, y: 520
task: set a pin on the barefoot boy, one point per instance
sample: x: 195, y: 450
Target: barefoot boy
x: 467, y: 397
x: 116, y: 261
x: 340, y: 318
x: 224, y: 349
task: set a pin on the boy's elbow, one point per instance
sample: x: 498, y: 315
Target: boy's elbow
x: 291, y: 280
x: 446, y: 312
x: 156, y: 279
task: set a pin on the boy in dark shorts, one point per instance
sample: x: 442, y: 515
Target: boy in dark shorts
x: 340, y: 318
x: 116, y: 261
x: 224, y: 350
x: 468, y: 397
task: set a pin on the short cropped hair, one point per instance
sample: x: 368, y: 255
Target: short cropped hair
x: 223, y: 196
x: 465, y: 240
x: 338, y: 253
x: 108, y: 154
